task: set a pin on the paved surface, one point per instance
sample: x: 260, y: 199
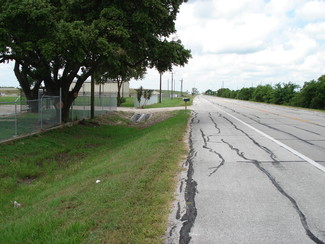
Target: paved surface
x: 255, y: 174
x: 148, y: 110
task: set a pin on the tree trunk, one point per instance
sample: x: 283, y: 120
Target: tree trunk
x: 30, y: 93
x: 66, y: 105
x: 119, y: 85
x: 92, y: 98
x: 160, y: 87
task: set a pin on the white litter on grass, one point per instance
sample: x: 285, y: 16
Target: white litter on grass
x: 17, y: 205
x: 97, y: 181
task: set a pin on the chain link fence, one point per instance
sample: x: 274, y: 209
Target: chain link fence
x: 28, y: 116
x: 104, y: 103
x: 23, y: 116
x: 153, y: 99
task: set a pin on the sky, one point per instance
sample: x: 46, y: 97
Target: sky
x: 241, y: 43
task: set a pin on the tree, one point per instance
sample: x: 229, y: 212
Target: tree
x: 283, y: 93
x: 121, y: 74
x: 209, y: 92
x: 166, y: 55
x: 263, y: 94
x: 139, y: 94
x: 195, y: 91
x: 312, y: 94
x: 245, y: 93
x: 57, y: 42
x: 224, y: 92
x: 146, y: 95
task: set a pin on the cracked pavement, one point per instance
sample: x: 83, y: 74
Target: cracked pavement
x: 254, y: 174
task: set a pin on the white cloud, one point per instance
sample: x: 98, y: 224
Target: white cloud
x: 293, y: 51
x: 232, y: 9
x: 312, y: 10
x: 316, y: 30
x: 229, y: 29
x: 281, y: 7
x: 247, y: 42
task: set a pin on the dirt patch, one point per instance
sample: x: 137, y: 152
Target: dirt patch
x: 91, y: 145
x: 91, y: 123
x: 27, y: 180
x: 61, y: 157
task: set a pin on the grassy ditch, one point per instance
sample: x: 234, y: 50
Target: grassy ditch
x: 53, y: 176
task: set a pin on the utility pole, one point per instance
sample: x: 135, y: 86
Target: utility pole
x: 175, y: 86
x: 160, y: 87
x: 167, y: 86
x: 182, y: 87
x: 172, y: 85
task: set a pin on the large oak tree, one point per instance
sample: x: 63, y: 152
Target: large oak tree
x: 59, y: 41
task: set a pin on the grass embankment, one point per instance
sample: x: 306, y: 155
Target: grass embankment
x: 53, y: 176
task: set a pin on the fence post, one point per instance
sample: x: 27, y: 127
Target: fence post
x: 16, y: 129
x: 72, y: 119
x: 41, y: 111
x: 60, y: 114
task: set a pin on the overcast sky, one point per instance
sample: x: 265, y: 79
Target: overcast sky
x: 240, y: 43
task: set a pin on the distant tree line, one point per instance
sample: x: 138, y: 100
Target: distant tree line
x: 311, y: 95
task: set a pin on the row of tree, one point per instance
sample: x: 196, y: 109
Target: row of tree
x: 55, y: 42
x: 311, y: 95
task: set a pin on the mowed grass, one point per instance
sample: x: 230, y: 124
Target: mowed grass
x: 26, y: 123
x: 175, y: 102
x: 129, y: 102
x: 7, y: 99
x: 53, y: 176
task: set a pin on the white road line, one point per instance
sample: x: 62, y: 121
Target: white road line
x: 312, y: 162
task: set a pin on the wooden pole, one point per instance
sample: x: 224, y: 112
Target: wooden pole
x: 92, y: 97
x: 160, y: 87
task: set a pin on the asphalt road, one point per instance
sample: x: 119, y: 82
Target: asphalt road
x: 255, y: 174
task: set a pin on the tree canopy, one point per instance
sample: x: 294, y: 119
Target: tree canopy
x: 57, y: 42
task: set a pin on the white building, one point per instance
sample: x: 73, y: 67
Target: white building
x: 109, y: 87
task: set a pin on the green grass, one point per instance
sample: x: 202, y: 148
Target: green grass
x: 175, y: 102
x: 129, y: 102
x: 53, y: 175
x: 99, y: 101
x: 26, y: 123
x: 7, y: 99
